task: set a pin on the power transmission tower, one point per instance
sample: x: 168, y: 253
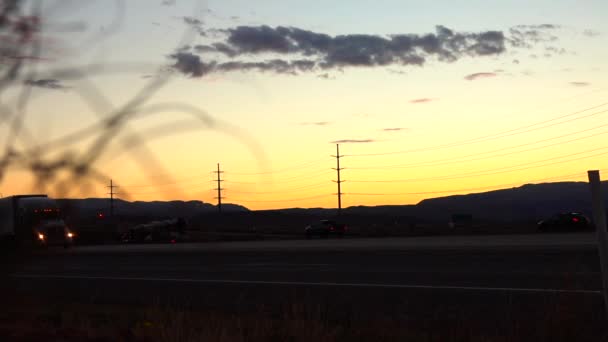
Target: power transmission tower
x: 219, y: 188
x: 339, y: 181
x: 112, y: 193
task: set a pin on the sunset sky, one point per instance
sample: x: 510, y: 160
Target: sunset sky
x: 425, y: 98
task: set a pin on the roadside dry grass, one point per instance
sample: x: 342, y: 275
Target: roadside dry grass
x: 564, y: 320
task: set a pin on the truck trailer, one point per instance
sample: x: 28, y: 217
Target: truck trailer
x: 33, y: 220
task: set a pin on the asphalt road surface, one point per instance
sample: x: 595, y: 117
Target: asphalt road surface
x: 368, y: 276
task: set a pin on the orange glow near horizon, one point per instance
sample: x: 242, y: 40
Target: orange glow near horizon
x: 530, y: 113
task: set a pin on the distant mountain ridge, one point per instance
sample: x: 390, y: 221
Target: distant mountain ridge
x: 525, y: 203
x: 94, y: 206
x: 529, y: 202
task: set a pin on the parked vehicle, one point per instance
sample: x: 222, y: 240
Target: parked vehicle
x: 172, y: 231
x: 325, y: 228
x: 33, y: 220
x: 569, y: 221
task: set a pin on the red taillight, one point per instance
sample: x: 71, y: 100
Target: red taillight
x: 172, y: 241
x: 332, y: 229
x: 575, y: 219
x: 345, y: 228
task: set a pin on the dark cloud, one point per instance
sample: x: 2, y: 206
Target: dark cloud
x: 292, y: 50
x: 275, y: 65
x: 479, y: 75
x: 422, y: 100
x: 192, y: 21
x: 195, y: 23
x: 580, y: 84
x: 190, y: 64
x: 184, y: 48
x: 526, y: 36
x: 215, y: 47
x: 47, y: 83
x: 352, y: 141
x: 363, y: 49
x: 318, y: 123
x: 249, y: 39
x: 516, y: 61
x: 204, y: 48
x: 168, y: 2
x: 394, y: 129
x: 225, y: 49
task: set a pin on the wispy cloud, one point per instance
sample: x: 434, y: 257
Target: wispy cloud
x: 352, y: 141
x: 326, y: 76
x: 580, y: 84
x: 195, y: 23
x: 591, y: 33
x: 318, y: 123
x: 526, y: 36
x: 479, y: 75
x: 47, y: 83
x: 422, y: 100
x: 394, y: 129
x: 192, y: 21
x: 397, y: 72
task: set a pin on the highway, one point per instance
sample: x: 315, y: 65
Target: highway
x: 479, y: 274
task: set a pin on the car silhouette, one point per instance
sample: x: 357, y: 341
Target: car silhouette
x: 570, y: 221
x: 325, y: 228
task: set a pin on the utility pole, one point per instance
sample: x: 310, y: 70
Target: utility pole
x: 219, y: 188
x: 112, y: 193
x: 339, y: 181
x: 599, y: 218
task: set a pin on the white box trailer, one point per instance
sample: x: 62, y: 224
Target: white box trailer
x: 33, y: 220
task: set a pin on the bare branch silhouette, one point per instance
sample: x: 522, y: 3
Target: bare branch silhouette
x: 62, y: 165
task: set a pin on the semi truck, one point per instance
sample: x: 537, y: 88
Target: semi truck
x: 33, y: 220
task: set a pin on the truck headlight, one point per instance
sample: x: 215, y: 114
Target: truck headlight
x: 70, y: 235
x: 41, y: 236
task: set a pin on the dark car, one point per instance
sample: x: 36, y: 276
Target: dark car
x: 565, y: 222
x: 325, y: 228
x: 172, y: 231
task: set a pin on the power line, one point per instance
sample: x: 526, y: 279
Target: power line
x: 492, y: 171
x: 312, y: 186
x: 299, y: 178
x: 299, y: 166
x: 458, y: 160
x: 197, y: 179
x: 498, y: 135
x: 283, y: 200
x: 500, y: 186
